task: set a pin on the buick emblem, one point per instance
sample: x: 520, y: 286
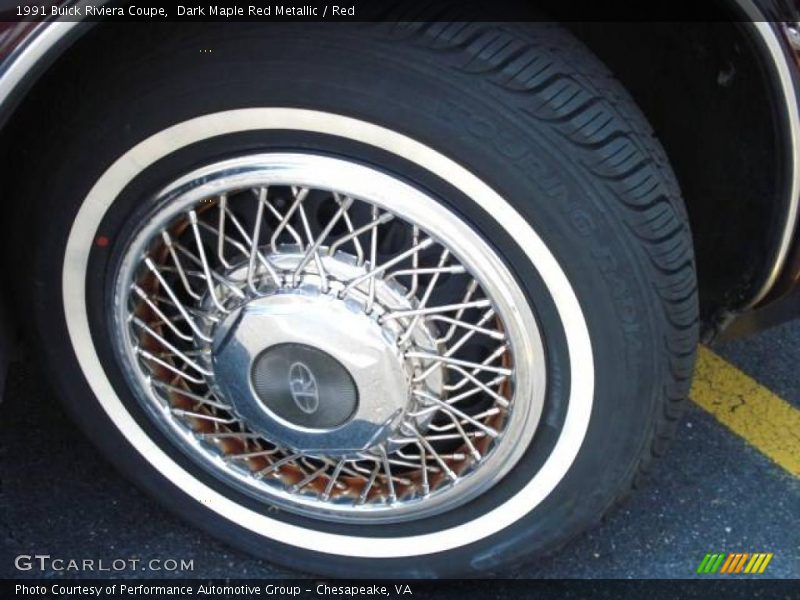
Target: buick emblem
x: 303, y: 387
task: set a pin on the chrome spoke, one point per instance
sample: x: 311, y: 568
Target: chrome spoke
x: 178, y: 266
x: 436, y: 309
x: 354, y: 233
x: 387, y: 469
x: 428, y: 447
x: 189, y: 362
x: 362, y: 497
x: 164, y: 319
x: 312, y: 248
x: 211, y: 277
x: 373, y: 259
x: 458, y: 413
x: 188, y: 394
x: 222, y: 206
x: 447, y: 360
x: 423, y: 302
x: 332, y: 480
x: 309, y: 478
x: 204, y: 262
x: 471, y: 289
x: 277, y: 465
x: 313, y: 251
x: 249, y: 455
x: 500, y: 351
x: 284, y: 223
x: 380, y: 269
x: 162, y: 363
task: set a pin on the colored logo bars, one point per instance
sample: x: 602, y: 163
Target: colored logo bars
x: 734, y: 562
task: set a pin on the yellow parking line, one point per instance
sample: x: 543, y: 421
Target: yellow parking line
x: 750, y: 410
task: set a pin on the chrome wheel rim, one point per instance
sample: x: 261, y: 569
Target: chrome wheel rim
x: 356, y: 266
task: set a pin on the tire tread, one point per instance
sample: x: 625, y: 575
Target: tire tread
x: 545, y: 74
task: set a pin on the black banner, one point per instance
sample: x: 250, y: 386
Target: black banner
x: 417, y: 590
x: 396, y: 10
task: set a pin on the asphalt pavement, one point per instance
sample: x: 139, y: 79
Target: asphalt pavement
x: 712, y: 492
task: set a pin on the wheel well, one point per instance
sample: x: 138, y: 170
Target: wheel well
x: 710, y: 96
x: 708, y: 92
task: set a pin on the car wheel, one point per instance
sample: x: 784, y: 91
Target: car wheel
x: 374, y: 300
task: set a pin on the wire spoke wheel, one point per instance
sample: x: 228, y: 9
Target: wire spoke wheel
x: 329, y: 339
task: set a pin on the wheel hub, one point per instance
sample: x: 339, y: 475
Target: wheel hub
x: 312, y: 373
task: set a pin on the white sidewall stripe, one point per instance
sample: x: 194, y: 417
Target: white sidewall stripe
x: 133, y: 162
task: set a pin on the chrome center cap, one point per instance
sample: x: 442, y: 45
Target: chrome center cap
x: 311, y: 372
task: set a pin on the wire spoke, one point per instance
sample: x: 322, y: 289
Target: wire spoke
x: 436, y: 456
x: 354, y: 233
x: 457, y: 412
x: 447, y: 360
x: 313, y: 250
x: 214, y: 275
x: 222, y: 206
x: 189, y: 362
x: 390, y: 263
x: 299, y: 196
x: 399, y: 314
x: 425, y: 297
x: 188, y: 394
x: 178, y: 266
